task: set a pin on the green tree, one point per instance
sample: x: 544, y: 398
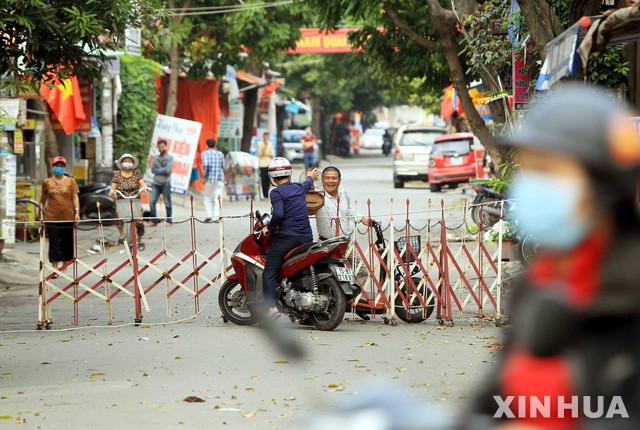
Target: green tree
x: 39, y: 37
x: 201, y: 40
x: 137, y: 106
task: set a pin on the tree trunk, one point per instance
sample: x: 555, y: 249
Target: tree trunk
x: 542, y: 21
x: 476, y: 123
x: 250, y: 104
x: 51, y: 148
x: 172, y: 95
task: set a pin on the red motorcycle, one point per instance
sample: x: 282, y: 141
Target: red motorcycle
x: 314, y: 283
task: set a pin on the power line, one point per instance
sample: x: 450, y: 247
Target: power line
x: 217, y: 10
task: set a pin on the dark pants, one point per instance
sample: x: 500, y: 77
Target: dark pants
x: 60, y: 236
x: 165, y: 190
x: 264, y: 178
x: 275, y: 258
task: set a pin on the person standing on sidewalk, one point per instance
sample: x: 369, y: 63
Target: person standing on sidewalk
x: 213, y: 177
x: 60, y: 199
x: 265, y: 155
x: 309, y: 148
x: 161, y: 169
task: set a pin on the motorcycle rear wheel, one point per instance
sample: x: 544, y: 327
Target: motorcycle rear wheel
x: 417, y: 313
x: 233, y: 304
x: 337, y: 305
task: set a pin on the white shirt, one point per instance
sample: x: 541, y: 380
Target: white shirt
x: 326, y: 216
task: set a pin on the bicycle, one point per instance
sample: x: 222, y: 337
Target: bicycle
x: 27, y: 222
x: 130, y: 207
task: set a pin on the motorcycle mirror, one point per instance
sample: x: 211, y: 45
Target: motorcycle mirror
x: 258, y: 215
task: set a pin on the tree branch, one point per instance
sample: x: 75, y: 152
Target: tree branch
x: 411, y: 34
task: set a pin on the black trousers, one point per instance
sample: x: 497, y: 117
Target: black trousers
x: 60, y: 236
x: 264, y: 179
x: 275, y: 258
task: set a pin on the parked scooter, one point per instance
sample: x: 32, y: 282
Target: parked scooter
x: 415, y: 313
x: 386, y: 144
x: 315, y: 284
x: 92, y: 194
x: 490, y: 202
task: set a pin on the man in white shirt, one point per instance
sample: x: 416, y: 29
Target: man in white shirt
x: 336, y: 199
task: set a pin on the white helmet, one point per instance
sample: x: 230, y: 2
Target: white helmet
x: 279, y: 168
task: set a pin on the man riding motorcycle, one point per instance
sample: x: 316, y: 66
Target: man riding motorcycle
x: 289, y: 215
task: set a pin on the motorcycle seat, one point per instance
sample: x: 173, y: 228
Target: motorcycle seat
x: 299, y: 250
x: 92, y: 187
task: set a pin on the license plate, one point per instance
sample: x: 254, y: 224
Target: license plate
x: 422, y: 157
x: 455, y: 161
x: 344, y: 274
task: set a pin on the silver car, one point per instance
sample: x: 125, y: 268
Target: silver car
x: 413, y: 145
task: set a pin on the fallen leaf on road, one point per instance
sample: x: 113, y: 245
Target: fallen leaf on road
x: 281, y: 362
x: 21, y: 420
x: 289, y: 399
x: 335, y: 387
x: 178, y: 357
x: 96, y: 374
x: 250, y: 414
x: 495, y: 346
x: 370, y: 344
x: 249, y: 389
x: 6, y: 418
x: 193, y: 399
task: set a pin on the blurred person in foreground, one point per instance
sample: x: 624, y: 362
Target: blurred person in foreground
x: 60, y: 200
x: 576, y: 313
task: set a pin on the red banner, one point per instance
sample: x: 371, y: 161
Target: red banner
x: 315, y: 41
x: 87, y: 94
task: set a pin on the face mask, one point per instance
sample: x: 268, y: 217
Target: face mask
x: 545, y: 209
x: 127, y: 166
x: 58, y: 171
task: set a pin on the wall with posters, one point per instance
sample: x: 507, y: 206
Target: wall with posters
x: 182, y: 142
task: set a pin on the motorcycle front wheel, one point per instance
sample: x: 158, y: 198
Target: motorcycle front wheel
x: 337, y: 305
x: 233, y: 304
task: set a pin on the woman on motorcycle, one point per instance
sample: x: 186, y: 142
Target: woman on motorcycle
x: 290, y: 217
x: 128, y: 180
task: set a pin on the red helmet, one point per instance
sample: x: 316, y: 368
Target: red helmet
x: 59, y: 159
x: 279, y: 168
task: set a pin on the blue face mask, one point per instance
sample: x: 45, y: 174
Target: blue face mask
x: 546, y: 208
x: 58, y: 171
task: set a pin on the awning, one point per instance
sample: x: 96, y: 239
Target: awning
x: 588, y: 35
x: 250, y: 79
x: 622, y: 25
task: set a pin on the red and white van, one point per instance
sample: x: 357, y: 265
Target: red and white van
x: 454, y: 160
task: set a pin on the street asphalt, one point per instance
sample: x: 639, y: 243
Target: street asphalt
x: 196, y: 372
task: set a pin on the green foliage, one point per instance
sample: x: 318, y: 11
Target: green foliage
x: 40, y: 36
x: 136, y: 107
x: 342, y: 81
x: 207, y: 43
x: 481, y: 47
x: 408, y: 71
x: 609, y: 68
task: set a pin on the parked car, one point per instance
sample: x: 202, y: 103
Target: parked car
x: 413, y: 146
x: 372, y: 138
x: 291, y: 140
x: 453, y: 160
